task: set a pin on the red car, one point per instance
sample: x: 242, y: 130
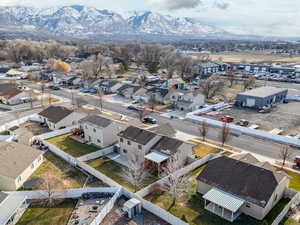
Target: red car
x: 226, y: 119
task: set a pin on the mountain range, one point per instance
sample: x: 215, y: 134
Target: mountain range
x: 79, y: 21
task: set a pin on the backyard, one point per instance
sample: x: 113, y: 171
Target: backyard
x: 191, y: 207
x: 202, y: 150
x: 72, y: 147
x: 38, y: 214
x: 114, y: 170
x: 58, y: 168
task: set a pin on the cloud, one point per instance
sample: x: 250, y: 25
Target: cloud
x: 175, y: 4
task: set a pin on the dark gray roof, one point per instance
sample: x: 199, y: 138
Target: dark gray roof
x: 162, y: 91
x: 97, y: 120
x: 164, y: 130
x: 55, y: 113
x: 2, y: 196
x: 137, y: 135
x: 125, y: 86
x: 15, y: 158
x: 249, y: 182
x: 168, y: 145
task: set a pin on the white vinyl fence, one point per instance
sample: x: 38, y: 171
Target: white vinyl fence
x: 284, y: 212
x: 107, y: 208
x: 245, y: 130
x: 163, y: 214
x: 185, y: 170
x: 18, y: 122
x: 97, y: 154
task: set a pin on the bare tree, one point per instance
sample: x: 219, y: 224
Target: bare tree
x: 284, y: 154
x: 225, y: 134
x: 152, y: 101
x: 249, y: 82
x: 169, y: 62
x: 136, y: 173
x: 100, y: 100
x: 203, y: 129
x: 231, y: 77
x: 142, y: 112
x: 51, y: 187
x: 43, y: 91
x: 175, y: 185
x: 185, y: 66
x: 99, y: 63
x: 211, y: 87
x: 79, y: 102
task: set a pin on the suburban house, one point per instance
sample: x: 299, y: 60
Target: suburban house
x: 136, y: 139
x: 13, y: 96
x: 128, y: 90
x: 157, y: 149
x: 188, y: 100
x: 260, y: 97
x: 204, y: 69
x: 17, y: 163
x: 241, y: 184
x: 108, y: 86
x: 12, y: 207
x: 99, y: 131
x: 161, y: 95
x: 58, y: 117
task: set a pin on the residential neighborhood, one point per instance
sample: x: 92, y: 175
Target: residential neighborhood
x: 143, y: 118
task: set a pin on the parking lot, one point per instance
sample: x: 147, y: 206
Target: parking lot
x: 285, y: 117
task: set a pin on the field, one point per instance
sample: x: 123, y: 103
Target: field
x: 253, y: 57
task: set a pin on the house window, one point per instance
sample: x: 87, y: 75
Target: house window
x: 86, y: 127
x: 94, y: 129
x: 19, y: 179
x: 98, y: 141
x: 140, y: 147
x: 125, y: 151
x: 121, y: 140
x: 128, y: 142
x: 32, y: 165
x: 248, y: 205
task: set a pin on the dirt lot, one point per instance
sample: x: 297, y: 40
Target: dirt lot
x: 253, y: 57
x: 284, y: 116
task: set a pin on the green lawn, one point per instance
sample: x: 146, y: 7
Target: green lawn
x: 295, y: 180
x: 289, y: 221
x: 71, y: 147
x: 191, y: 206
x: 114, y: 171
x: 69, y: 176
x: 40, y: 215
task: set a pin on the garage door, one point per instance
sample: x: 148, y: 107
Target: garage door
x: 250, y: 102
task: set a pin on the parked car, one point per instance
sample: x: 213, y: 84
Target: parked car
x: 226, y: 119
x: 55, y: 88
x: 150, y: 120
x: 132, y: 107
x: 243, y: 123
x: 136, y: 102
x: 89, y: 91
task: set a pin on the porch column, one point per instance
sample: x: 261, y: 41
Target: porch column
x: 204, y: 203
x: 222, y: 212
x: 231, y: 216
x: 214, y: 207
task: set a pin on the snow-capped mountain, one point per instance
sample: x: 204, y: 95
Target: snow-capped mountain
x: 83, y: 21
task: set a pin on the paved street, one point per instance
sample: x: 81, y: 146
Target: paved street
x: 251, y: 144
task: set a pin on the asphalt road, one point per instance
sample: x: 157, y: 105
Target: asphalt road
x: 248, y: 143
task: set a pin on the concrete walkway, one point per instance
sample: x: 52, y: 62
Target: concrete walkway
x: 118, y: 158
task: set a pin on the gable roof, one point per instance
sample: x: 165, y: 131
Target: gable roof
x: 137, y: 135
x: 165, y: 129
x: 15, y: 158
x: 168, y: 145
x: 162, y: 91
x: 99, y: 121
x: 55, y: 113
x: 244, y: 180
x: 10, y: 93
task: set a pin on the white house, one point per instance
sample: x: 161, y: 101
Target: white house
x: 17, y: 163
x: 13, y: 96
x: 58, y: 117
x: 99, y: 131
x: 188, y: 100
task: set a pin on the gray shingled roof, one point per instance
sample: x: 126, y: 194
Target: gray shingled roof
x: 137, y: 135
x: 55, y: 113
x: 15, y: 158
x: 250, y: 182
x: 97, y: 120
x: 168, y: 145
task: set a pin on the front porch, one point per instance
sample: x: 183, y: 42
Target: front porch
x: 223, y: 204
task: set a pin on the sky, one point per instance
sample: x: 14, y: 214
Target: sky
x: 261, y: 17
